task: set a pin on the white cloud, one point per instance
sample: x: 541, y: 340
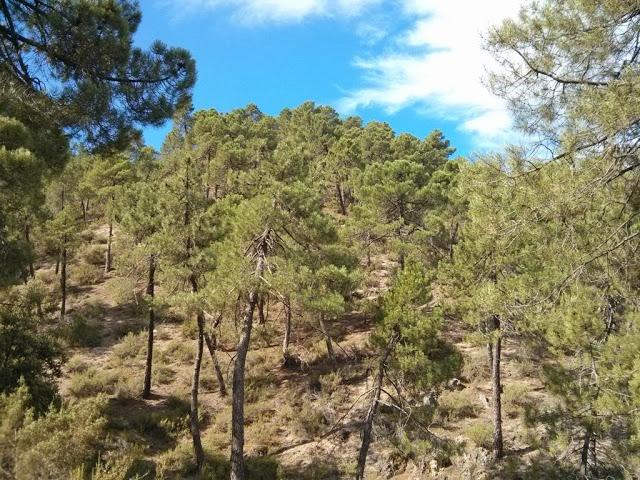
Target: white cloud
x: 284, y: 11
x: 438, y: 64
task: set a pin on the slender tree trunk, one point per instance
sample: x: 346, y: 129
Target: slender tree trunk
x: 58, y: 264
x: 84, y: 211
x: 498, y: 448
x: 287, y: 329
x: 107, y: 261
x: 194, y: 423
x: 453, y: 238
x: 375, y: 398
x: 490, y: 356
x: 212, y: 345
x: 584, y: 456
x: 27, y: 237
x: 63, y: 283
x: 341, y: 199
x: 146, y: 393
x: 328, y: 341
x: 237, y: 402
x: 261, y: 317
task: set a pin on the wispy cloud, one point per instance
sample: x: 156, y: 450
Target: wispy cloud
x: 438, y: 65
x: 282, y: 11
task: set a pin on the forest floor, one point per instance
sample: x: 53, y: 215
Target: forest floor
x: 301, y: 423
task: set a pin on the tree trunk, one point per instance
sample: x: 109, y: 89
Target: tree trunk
x: 287, y: 329
x: 84, y: 212
x: 341, y: 199
x: 58, y: 264
x: 584, y: 457
x: 27, y: 237
x: 63, y: 284
x: 146, y: 393
x: 107, y: 261
x: 490, y: 356
x: 261, y: 317
x: 498, y: 449
x: 453, y: 238
x: 368, y: 423
x: 212, y: 345
x: 194, y: 423
x: 327, y: 339
x: 237, y: 402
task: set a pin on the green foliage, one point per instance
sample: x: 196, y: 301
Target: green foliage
x: 91, y: 382
x: 82, y: 332
x: 29, y: 354
x: 422, y: 356
x: 85, y: 274
x: 104, y: 87
x: 480, y: 433
x: 54, y: 445
x: 458, y: 404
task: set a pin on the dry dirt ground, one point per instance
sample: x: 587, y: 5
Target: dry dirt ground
x: 306, y: 420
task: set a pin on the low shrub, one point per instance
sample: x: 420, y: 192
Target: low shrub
x: 476, y: 367
x: 133, y: 345
x: 163, y: 374
x: 457, y: 404
x: 92, y: 382
x: 55, y: 445
x: 122, y: 290
x: 515, y: 399
x: 85, y: 274
x: 181, y: 350
x: 93, y: 254
x: 480, y: 433
x: 77, y: 364
x: 125, y: 327
x: 312, y: 420
x: 82, y: 332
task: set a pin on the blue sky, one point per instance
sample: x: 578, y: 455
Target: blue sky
x: 416, y: 64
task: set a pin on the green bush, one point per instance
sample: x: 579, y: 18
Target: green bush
x: 28, y: 353
x: 121, y: 290
x: 312, y: 420
x: 92, y: 382
x: 457, y: 404
x: 476, y: 367
x: 77, y: 364
x: 480, y: 433
x: 85, y: 274
x: 133, y: 345
x: 93, y: 254
x: 55, y: 445
x: 181, y: 350
x: 515, y: 399
x: 82, y: 332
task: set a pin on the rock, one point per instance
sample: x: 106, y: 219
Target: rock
x: 291, y: 362
x: 455, y: 384
x: 430, y: 399
x: 258, y: 451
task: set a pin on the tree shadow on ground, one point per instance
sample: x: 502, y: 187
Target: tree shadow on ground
x: 155, y: 424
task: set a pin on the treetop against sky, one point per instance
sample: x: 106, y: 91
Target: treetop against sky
x: 417, y: 64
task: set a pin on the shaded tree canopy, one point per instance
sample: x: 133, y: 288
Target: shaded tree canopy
x: 77, y: 58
